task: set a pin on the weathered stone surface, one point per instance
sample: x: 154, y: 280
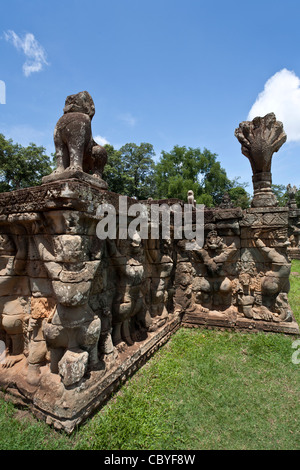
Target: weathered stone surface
x: 77, y: 154
x: 78, y: 314
x: 293, y: 224
x: 259, y: 139
x: 73, y: 366
x: 97, y: 302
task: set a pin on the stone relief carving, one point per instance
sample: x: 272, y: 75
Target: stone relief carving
x: 293, y: 223
x: 130, y: 314
x: 79, y: 314
x: 275, y: 282
x: 295, y: 236
x: 15, y: 290
x: 292, y: 191
x: 160, y: 256
x: 72, y: 331
x: 226, y: 202
x: 213, y: 290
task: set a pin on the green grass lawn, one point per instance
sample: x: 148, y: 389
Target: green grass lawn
x: 205, y: 389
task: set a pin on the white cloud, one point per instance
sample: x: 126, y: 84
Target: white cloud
x: 128, y: 119
x: 101, y: 140
x: 281, y: 95
x: 34, y: 52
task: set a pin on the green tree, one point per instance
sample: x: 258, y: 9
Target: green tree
x: 239, y: 197
x: 280, y: 192
x: 185, y: 169
x: 298, y: 197
x: 138, y: 164
x: 114, y: 171
x: 22, y: 167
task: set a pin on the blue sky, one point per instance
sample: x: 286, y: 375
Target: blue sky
x: 167, y: 72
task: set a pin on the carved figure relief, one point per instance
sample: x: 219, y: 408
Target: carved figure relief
x: 275, y: 282
x: 72, y: 330
x: 161, y: 265
x: 216, y: 287
x: 130, y: 314
x: 292, y: 191
x: 14, y: 287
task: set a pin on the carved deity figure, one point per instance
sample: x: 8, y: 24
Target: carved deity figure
x: 41, y: 308
x: 295, y: 236
x: 292, y: 191
x: 262, y: 295
x: 12, y: 322
x: 276, y: 280
x: 14, y: 306
x: 72, y: 330
x: 215, y: 252
x: 217, y: 287
x: 129, y: 310
x: 226, y: 202
x: 259, y: 139
x: 161, y: 265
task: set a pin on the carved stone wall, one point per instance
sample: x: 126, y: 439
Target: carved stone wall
x: 77, y: 313
x: 241, y: 275
x: 81, y: 314
x: 294, y: 224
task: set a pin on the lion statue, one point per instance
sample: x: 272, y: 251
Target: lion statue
x: 76, y: 150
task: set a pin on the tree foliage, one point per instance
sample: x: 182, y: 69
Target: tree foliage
x: 185, y: 169
x: 114, y: 171
x: 282, y: 195
x: 297, y: 197
x: 139, y: 168
x: 239, y: 197
x: 21, y: 167
x: 130, y: 170
x: 280, y: 192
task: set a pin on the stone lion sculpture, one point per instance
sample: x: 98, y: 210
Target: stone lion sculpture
x: 76, y: 150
